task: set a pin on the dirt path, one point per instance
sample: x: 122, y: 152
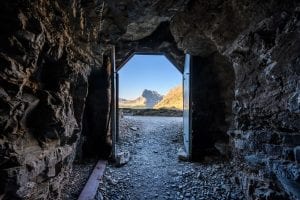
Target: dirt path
x: 154, y: 172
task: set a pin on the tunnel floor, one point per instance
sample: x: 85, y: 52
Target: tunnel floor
x: 154, y: 171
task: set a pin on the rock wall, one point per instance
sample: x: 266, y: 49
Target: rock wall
x: 46, y: 55
x: 159, y: 41
x: 261, y: 41
x: 267, y: 118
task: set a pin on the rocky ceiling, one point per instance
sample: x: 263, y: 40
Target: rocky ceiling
x: 196, y: 27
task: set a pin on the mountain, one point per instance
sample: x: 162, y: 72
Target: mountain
x: 152, y: 98
x: 135, y: 103
x: 172, y: 100
x: 148, y: 99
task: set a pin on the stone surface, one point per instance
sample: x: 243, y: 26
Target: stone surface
x: 182, y: 155
x: 122, y: 158
x: 134, y: 128
x: 46, y: 55
x: 297, y: 154
x: 79, y: 175
x: 154, y: 172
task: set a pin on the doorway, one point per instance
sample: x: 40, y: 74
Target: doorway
x: 119, y: 107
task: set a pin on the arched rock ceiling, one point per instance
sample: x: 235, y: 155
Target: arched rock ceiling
x: 142, y: 26
x: 199, y: 27
x: 160, y: 41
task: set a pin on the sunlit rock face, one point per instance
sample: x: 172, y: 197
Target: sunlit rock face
x: 54, y: 66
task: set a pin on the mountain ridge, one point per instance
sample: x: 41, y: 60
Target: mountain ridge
x: 152, y: 99
x: 172, y: 100
x: 148, y: 99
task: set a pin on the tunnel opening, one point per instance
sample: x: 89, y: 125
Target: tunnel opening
x: 210, y: 81
x: 149, y: 87
x: 209, y: 106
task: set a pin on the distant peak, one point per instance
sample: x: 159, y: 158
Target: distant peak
x: 147, y: 93
x: 148, y: 99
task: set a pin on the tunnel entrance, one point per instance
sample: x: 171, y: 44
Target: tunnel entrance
x: 149, y: 84
x: 154, y: 172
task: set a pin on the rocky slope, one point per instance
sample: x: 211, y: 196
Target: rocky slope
x: 147, y: 100
x: 139, y: 102
x: 172, y: 100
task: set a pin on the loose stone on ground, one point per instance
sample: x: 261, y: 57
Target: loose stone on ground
x: 154, y: 170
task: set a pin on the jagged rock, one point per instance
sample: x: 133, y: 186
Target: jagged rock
x: 182, y: 155
x: 256, y: 160
x: 288, y: 154
x: 134, y: 128
x: 297, y: 153
x: 122, y: 158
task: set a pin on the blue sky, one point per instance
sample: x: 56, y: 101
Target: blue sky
x: 153, y: 72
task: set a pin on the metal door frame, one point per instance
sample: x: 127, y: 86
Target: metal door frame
x: 115, y: 108
x: 187, y: 127
x: 113, y: 103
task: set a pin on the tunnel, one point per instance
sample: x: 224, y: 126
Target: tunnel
x: 241, y: 67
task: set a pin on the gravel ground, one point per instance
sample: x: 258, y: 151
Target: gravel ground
x: 154, y: 171
x: 78, y: 178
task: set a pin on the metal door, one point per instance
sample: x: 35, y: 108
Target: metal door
x: 186, y: 106
x: 113, y: 102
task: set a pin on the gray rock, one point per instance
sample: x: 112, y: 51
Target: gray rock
x: 182, y: 155
x: 288, y: 154
x: 223, y: 148
x: 297, y: 154
x: 122, y: 158
x: 134, y: 128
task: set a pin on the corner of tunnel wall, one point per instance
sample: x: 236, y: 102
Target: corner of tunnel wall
x: 212, y: 97
x: 96, y: 137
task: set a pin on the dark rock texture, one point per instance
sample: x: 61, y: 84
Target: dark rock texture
x: 212, y: 88
x: 54, y: 53
x: 46, y: 55
x: 260, y: 40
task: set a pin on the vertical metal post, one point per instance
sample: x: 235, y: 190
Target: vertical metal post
x: 187, y: 138
x: 117, y: 108
x: 113, y: 102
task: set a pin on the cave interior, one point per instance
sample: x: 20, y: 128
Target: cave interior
x: 56, y: 69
